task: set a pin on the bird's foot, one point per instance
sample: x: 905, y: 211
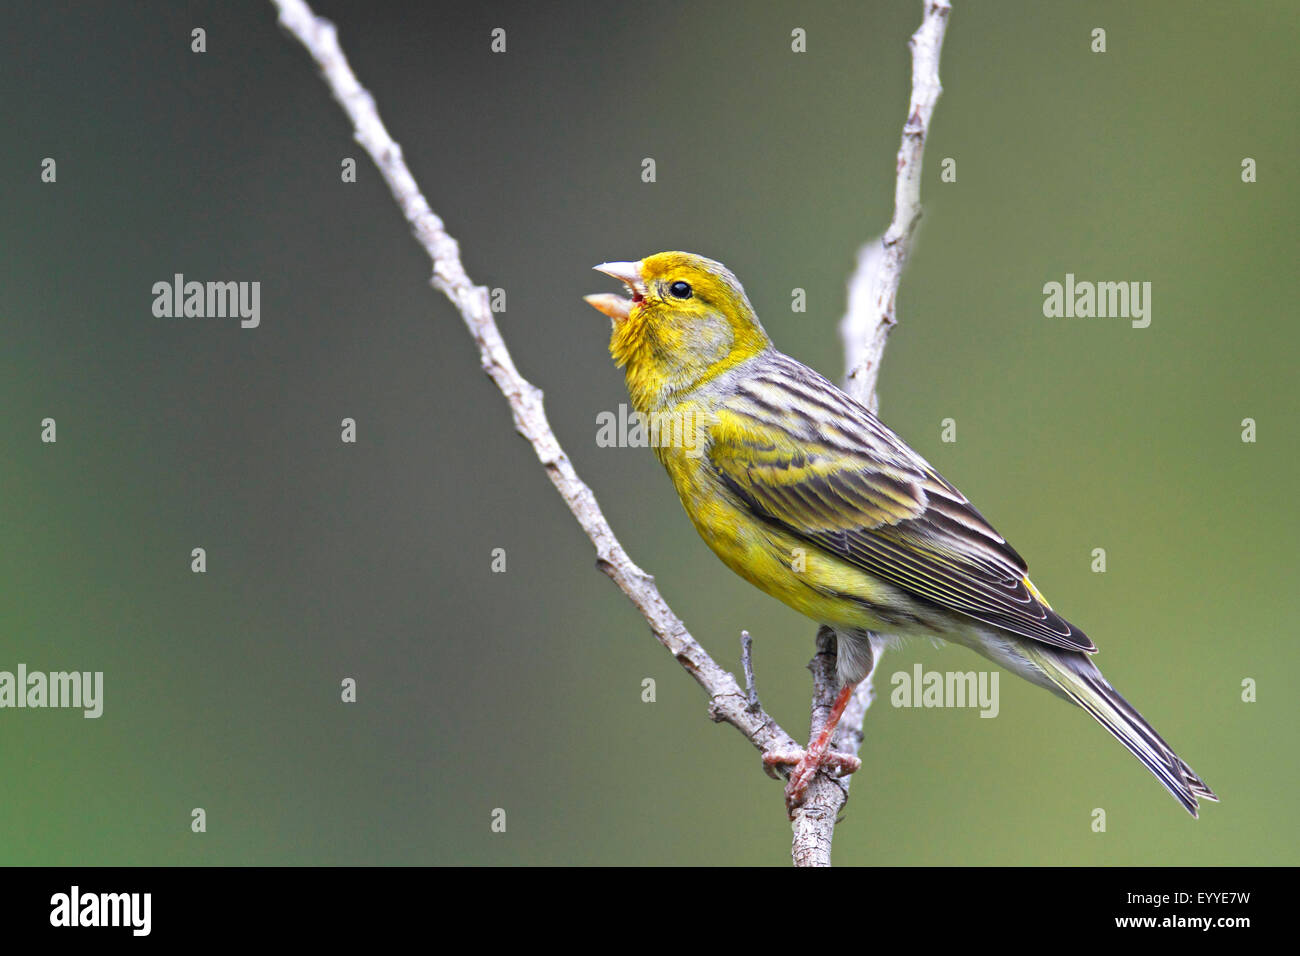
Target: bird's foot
x: 818, y: 755
x: 806, y: 763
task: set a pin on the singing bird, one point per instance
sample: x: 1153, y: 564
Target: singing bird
x: 801, y: 490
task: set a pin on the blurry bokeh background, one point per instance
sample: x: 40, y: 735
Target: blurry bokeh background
x: 522, y: 690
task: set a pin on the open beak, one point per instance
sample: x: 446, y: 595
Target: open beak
x: 615, y: 306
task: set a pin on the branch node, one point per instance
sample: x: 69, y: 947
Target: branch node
x: 747, y: 662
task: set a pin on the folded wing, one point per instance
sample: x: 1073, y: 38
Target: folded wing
x: 806, y: 457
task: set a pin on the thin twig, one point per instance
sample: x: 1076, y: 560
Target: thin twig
x: 727, y: 701
x: 747, y: 662
x: 873, y: 293
x: 814, y: 824
x: 873, y: 290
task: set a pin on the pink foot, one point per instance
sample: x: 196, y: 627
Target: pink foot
x: 806, y: 763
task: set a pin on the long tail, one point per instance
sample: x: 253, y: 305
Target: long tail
x: 1080, y: 681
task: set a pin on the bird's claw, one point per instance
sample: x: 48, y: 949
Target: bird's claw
x: 805, y: 766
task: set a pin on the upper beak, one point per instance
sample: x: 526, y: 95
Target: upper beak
x: 615, y: 306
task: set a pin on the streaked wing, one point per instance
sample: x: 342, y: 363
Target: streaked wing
x: 803, y: 455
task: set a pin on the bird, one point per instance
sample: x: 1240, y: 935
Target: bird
x: 801, y: 490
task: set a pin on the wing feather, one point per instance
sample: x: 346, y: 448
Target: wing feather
x: 805, y: 456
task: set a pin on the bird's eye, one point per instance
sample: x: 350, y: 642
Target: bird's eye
x: 680, y: 290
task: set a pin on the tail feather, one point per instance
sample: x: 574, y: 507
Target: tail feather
x: 1081, y: 681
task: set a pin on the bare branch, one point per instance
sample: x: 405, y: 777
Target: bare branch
x: 813, y: 822
x: 873, y: 291
x: 747, y: 663
x: 728, y: 702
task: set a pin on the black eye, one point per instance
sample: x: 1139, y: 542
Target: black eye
x: 680, y: 290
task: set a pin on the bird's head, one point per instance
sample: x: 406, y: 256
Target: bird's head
x: 687, y: 320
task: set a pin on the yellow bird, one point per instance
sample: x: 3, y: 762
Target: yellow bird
x: 800, y: 490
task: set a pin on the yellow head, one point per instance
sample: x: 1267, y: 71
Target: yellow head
x: 688, y: 320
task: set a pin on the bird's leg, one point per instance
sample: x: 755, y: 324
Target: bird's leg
x: 808, y: 762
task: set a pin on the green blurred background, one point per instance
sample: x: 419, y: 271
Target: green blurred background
x: 522, y: 690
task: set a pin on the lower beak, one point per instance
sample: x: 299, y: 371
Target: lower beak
x: 615, y: 306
